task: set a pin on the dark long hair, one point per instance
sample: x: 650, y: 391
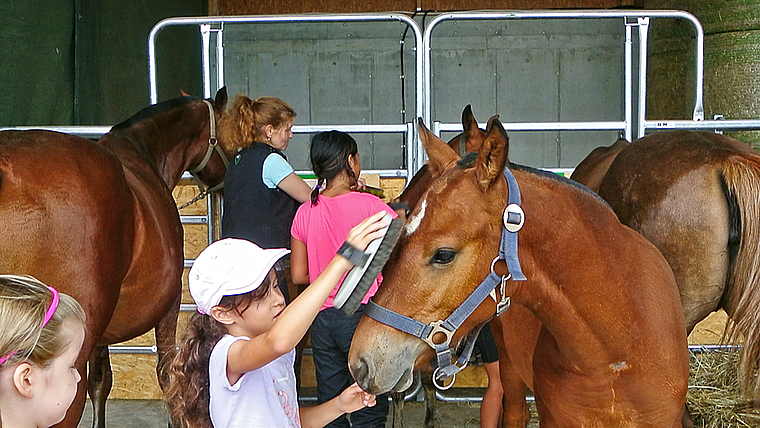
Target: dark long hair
x: 329, y: 157
x: 187, y: 394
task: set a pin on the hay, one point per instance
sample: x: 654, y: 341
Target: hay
x: 714, y: 398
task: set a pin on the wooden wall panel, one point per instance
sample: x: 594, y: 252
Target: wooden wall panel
x: 267, y: 7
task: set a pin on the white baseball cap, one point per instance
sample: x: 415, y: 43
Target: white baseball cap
x: 228, y: 267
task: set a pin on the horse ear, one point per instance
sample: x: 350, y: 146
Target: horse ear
x: 471, y: 130
x: 493, y: 154
x: 220, y: 101
x: 440, y: 155
x: 182, y: 93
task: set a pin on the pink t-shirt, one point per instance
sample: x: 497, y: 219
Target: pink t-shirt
x: 323, y: 228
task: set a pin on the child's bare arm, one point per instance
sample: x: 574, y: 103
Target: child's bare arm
x: 291, y: 325
x: 350, y: 400
x: 299, y: 262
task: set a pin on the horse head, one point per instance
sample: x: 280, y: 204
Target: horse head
x: 449, y: 240
x: 208, y: 162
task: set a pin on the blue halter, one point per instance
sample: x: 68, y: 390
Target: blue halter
x: 513, y: 222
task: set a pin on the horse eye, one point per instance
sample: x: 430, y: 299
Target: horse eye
x: 444, y: 256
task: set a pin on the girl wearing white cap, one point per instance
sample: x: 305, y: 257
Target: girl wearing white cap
x: 234, y: 367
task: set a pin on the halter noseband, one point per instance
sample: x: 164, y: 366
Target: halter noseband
x: 514, y: 219
x: 212, y: 146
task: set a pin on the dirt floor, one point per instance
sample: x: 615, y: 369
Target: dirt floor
x: 151, y: 414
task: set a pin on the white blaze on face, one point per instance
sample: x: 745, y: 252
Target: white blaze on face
x: 414, y: 221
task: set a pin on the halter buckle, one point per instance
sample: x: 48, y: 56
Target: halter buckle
x: 435, y: 327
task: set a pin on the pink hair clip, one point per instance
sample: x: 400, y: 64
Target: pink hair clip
x: 49, y: 314
x: 53, y: 306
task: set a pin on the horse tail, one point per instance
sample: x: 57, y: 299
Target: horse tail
x: 741, y: 181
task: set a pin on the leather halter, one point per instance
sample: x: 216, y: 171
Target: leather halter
x: 212, y: 146
x: 514, y: 219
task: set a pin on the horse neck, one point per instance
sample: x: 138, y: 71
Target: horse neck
x: 547, y: 248
x: 165, y: 141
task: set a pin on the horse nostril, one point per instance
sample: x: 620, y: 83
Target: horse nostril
x: 361, y: 373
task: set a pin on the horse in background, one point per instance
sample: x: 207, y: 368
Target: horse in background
x: 595, y: 330
x: 591, y: 170
x: 97, y: 220
x: 694, y: 195
x: 468, y: 141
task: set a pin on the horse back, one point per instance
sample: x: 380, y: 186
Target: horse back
x: 593, y: 168
x: 156, y: 262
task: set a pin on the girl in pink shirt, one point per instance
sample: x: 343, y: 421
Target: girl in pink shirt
x: 319, y: 228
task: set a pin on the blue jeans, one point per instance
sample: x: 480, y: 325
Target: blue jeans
x: 331, y: 335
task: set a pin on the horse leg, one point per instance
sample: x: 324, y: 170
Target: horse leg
x: 397, y: 411
x: 686, y: 420
x: 431, y: 409
x: 99, y: 383
x: 166, y: 339
x: 515, y: 411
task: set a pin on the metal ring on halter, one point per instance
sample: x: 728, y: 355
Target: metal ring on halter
x: 493, y: 263
x: 443, y: 387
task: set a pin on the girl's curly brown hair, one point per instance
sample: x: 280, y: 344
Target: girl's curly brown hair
x: 187, y: 393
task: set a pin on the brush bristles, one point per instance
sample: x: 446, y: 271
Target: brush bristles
x: 382, y: 255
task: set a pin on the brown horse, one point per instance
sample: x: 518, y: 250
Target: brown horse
x: 98, y: 222
x: 595, y: 331
x: 591, y: 170
x: 694, y: 195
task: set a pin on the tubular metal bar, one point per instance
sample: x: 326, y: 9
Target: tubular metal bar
x: 133, y: 349
x: 643, y: 45
x: 353, y: 129
x: 205, y: 30
x: 567, y: 14
x: 704, y: 125
x: 280, y: 19
x: 541, y: 126
x: 701, y: 349
x: 628, y: 82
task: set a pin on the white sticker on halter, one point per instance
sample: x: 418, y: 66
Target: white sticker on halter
x: 414, y: 221
x: 513, y: 218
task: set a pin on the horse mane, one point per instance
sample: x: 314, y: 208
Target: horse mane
x: 468, y: 161
x: 153, y: 110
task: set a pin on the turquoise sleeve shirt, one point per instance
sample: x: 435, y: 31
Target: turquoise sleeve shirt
x: 275, y: 169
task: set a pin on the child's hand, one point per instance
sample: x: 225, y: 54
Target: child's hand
x: 361, y: 184
x: 367, y: 231
x: 354, y: 398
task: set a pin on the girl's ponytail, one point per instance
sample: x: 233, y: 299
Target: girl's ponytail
x: 315, y: 191
x: 187, y: 394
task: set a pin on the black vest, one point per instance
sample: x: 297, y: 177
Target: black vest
x: 252, y: 210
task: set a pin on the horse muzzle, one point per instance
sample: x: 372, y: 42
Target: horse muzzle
x: 383, y: 361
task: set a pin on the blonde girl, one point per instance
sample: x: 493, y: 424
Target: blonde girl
x: 41, y: 336
x: 234, y: 367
